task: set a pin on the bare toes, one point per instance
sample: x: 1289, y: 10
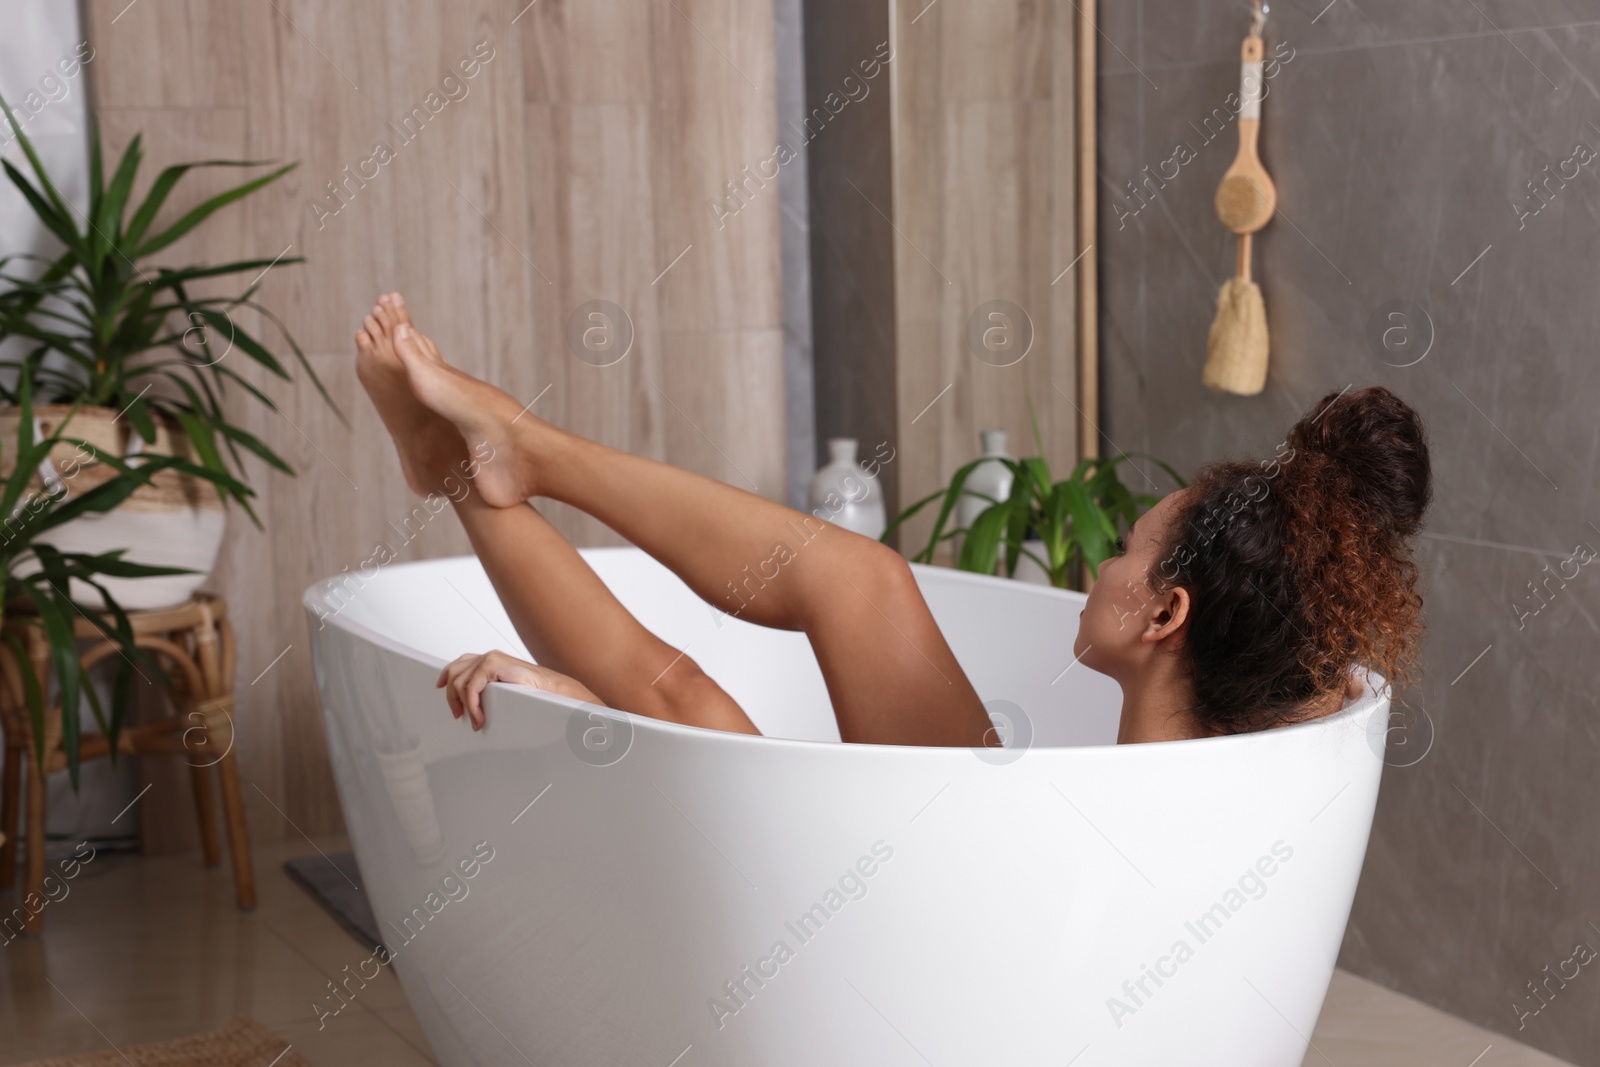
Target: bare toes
x: 406, y: 344
x: 420, y: 344
x: 397, y: 307
x: 378, y: 336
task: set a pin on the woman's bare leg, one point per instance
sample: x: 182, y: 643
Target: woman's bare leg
x: 891, y: 676
x: 572, y: 623
x: 565, y: 615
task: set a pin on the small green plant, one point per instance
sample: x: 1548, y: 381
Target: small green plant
x: 1078, y: 520
x: 101, y: 324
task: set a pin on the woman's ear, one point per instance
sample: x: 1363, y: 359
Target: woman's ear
x: 1169, y: 617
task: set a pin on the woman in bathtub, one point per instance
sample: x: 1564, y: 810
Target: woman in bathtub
x: 1245, y: 601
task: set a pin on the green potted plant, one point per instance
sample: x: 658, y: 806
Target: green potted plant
x: 39, y: 578
x: 1056, y: 525
x: 117, y: 484
x: 140, y: 362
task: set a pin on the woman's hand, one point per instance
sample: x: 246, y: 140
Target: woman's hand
x: 465, y: 680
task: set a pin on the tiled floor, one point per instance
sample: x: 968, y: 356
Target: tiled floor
x: 191, y: 962
x: 1366, y: 1025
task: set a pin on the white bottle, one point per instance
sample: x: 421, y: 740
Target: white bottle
x: 992, y: 479
x: 844, y: 494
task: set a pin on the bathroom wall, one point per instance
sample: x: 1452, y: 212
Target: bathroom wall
x: 849, y: 168
x: 588, y: 159
x: 983, y: 202
x: 941, y: 174
x: 1410, y: 250
x: 795, y: 229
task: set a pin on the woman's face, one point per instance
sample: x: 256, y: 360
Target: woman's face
x: 1124, y: 605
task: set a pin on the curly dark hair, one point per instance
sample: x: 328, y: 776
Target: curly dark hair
x: 1299, y: 569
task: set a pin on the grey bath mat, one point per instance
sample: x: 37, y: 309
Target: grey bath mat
x: 332, y: 889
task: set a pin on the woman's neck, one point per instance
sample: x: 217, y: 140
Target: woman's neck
x: 1158, y: 705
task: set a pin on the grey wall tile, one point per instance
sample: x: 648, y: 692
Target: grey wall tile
x: 795, y: 232
x: 852, y: 246
x: 1181, y: 32
x: 1402, y: 139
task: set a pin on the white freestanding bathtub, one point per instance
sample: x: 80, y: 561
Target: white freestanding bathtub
x: 655, y: 895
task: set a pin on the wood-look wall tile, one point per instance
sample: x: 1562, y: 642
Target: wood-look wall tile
x: 996, y: 50
x: 983, y: 189
x: 927, y: 381
x: 166, y: 53
x: 715, y: 125
x: 600, y: 233
x: 413, y: 135
x: 538, y: 189
x: 583, y: 398
x: 245, y: 575
x: 496, y: 155
x: 1051, y: 294
x: 724, y: 394
x: 925, y: 370
x: 587, y: 51
x: 305, y: 111
x: 607, y: 163
x: 1066, y: 245
x: 544, y: 182
x: 314, y: 535
x: 983, y: 207
x: 918, y: 75
x: 987, y: 233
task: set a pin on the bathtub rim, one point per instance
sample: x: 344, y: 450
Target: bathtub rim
x: 1375, y: 697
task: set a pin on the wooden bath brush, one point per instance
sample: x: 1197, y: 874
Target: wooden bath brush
x: 1236, y: 351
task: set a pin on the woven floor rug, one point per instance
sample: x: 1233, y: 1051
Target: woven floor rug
x: 242, y: 1043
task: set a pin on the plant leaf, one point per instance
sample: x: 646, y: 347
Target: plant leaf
x: 55, y: 614
x: 199, y: 214
x: 952, y: 496
x: 163, y: 186
x: 109, y: 217
x: 255, y: 445
x: 1089, y: 526
x: 57, y: 222
x: 38, y: 167
x: 980, y: 551
x: 226, y: 327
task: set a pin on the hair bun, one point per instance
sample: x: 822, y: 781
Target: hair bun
x: 1378, y: 441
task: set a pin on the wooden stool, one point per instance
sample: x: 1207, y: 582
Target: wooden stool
x: 194, y: 641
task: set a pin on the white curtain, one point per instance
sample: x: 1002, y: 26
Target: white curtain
x: 45, y: 66
x: 44, y: 77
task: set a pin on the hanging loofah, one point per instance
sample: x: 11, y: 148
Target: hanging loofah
x: 1236, y: 352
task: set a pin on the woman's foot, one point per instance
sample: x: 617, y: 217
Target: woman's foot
x: 490, y: 421
x: 430, y: 448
